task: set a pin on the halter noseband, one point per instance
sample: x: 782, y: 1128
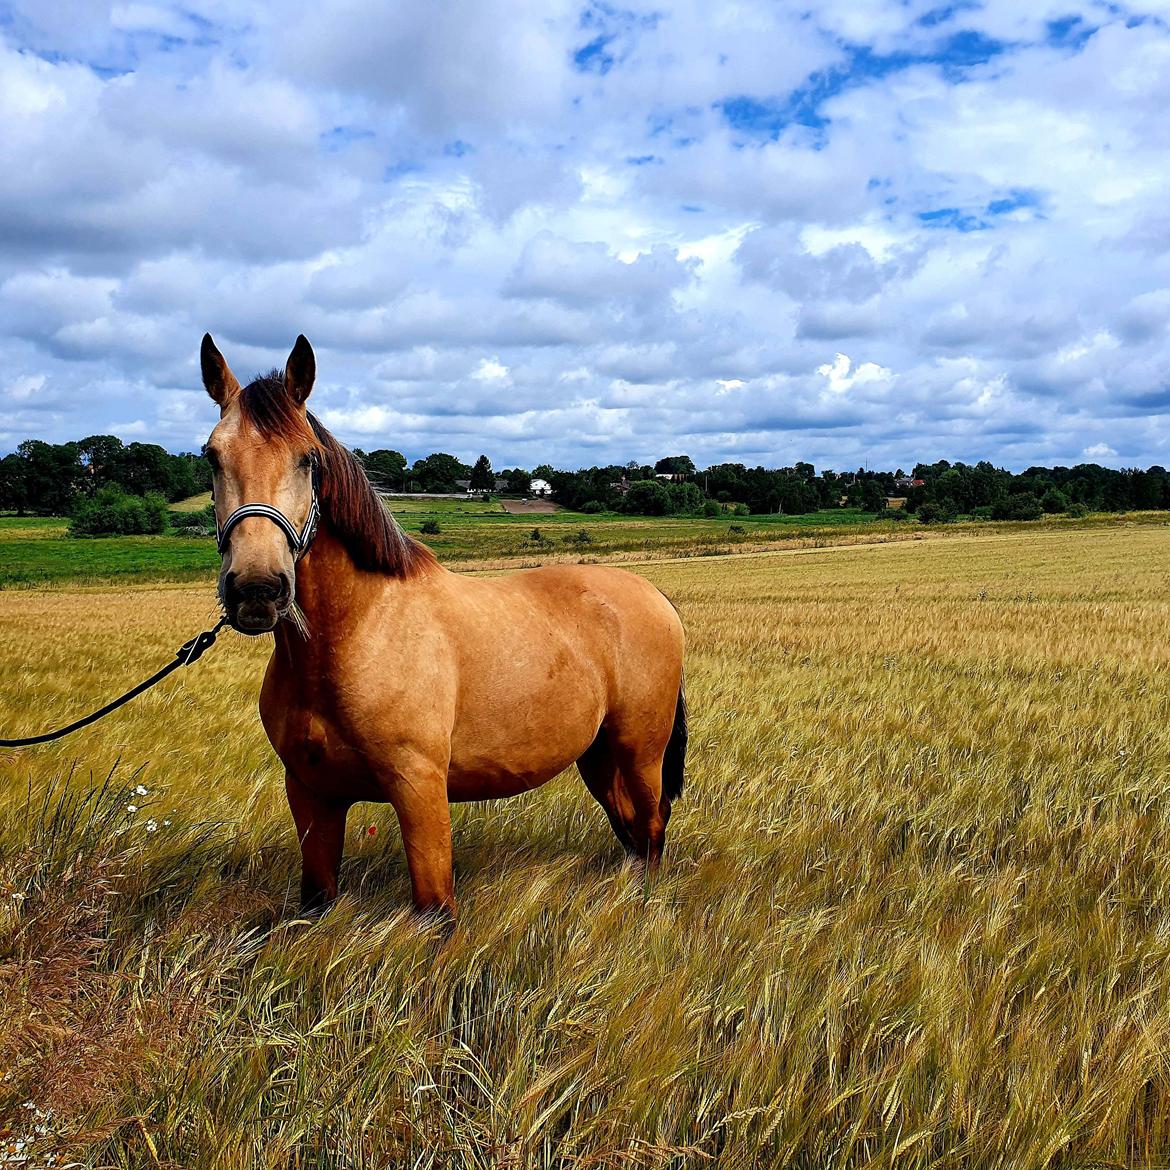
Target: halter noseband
x: 298, y: 542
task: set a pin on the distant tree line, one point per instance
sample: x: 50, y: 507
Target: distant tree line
x: 438, y: 473
x: 52, y: 478
x: 83, y: 477
x: 944, y: 491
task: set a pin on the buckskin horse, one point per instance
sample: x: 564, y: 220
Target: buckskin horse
x: 393, y: 679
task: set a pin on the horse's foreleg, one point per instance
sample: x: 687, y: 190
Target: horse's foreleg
x: 424, y: 816
x: 321, y: 830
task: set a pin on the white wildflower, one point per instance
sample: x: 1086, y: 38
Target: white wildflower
x: 151, y: 826
x: 141, y: 790
x: 132, y: 808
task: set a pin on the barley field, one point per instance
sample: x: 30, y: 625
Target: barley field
x: 915, y: 910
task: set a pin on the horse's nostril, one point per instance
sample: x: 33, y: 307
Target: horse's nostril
x: 260, y: 591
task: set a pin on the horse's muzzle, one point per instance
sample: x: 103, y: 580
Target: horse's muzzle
x: 254, y: 607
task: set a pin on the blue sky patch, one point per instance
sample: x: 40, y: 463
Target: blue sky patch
x: 1070, y: 32
x: 595, y: 56
x: 952, y: 218
x: 339, y: 137
x: 397, y: 170
x: 945, y: 12
x: 767, y: 118
x: 608, y: 23
x: 1013, y: 201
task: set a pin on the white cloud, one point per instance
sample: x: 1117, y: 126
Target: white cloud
x: 23, y: 388
x: 490, y: 370
x: 841, y: 375
x: 1100, y: 451
x: 605, y: 232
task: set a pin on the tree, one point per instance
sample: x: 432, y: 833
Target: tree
x: 13, y: 484
x: 112, y: 512
x: 52, y: 475
x: 482, y: 477
x: 873, y: 499
x: 1019, y: 506
x: 385, y: 468
x: 684, y: 497
x: 647, y: 497
x: 517, y: 481
x: 102, y: 456
x: 675, y: 465
x: 1053, y: 501
x: 147, y: 467
x: 438, y: 472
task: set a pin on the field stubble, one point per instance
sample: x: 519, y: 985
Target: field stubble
x: 914, y: 912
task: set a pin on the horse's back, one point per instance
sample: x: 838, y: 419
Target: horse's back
x: 622, y: 628
x: 620, y: 614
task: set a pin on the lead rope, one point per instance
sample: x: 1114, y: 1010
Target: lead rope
x: 190, y: 651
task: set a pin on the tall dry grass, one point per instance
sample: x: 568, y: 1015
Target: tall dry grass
x: 915, y: 911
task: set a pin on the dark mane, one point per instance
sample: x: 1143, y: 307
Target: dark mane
x: 349, y: 505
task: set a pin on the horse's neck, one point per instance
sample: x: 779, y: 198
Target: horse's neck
x: 332, y: 594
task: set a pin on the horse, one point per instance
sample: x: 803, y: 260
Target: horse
x: 395, y: 680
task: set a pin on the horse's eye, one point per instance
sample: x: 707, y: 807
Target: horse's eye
x: 212, y: 459
x: 306, y: 462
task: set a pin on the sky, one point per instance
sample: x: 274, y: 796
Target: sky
x: 848, y: 232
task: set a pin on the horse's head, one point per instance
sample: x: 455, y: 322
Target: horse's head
x: 263, y: 454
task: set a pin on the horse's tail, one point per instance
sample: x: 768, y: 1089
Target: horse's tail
x: 674, y: 760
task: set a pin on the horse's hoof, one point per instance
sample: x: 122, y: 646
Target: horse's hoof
x: 312, y: 912
x: 437, y: 920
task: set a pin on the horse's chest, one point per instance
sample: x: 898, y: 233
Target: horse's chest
x: 312, y: 745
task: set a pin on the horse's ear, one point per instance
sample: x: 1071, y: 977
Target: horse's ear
x: 218, y: 380
x: 300, y: 371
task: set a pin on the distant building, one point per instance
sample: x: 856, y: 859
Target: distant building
x: 464, y: 485
x: 540, y: 487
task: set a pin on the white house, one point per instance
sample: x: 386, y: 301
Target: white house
x: 540, y: 487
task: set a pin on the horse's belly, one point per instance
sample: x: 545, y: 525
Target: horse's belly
x: 504, y: 757
x: 475, y: 777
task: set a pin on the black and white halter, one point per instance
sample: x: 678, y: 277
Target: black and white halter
x: 298, y: 542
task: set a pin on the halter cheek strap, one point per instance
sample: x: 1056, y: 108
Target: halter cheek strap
x: 298, y: 542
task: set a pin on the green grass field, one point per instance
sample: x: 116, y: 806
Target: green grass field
x: 472, y: 534
x: 193, y: 503
x: 47, y: 556
x: 38, y: 550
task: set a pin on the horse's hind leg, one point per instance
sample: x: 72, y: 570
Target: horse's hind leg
x: 600, y: 772
x: 630, y: 791
x: 647, y: 827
